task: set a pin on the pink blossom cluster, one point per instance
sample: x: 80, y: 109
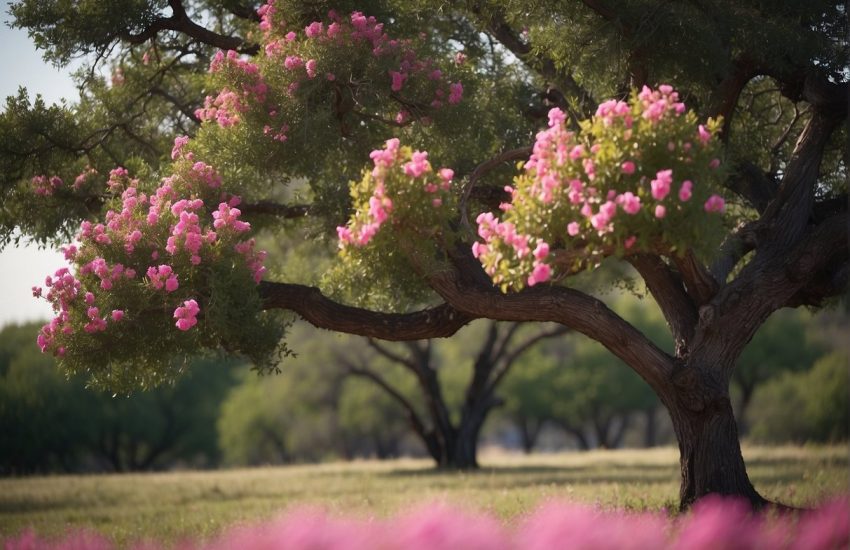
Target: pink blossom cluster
x: 229, y: 105
x: 186, y: 234
x: 490, y: 229
x: 187, y: 314
x: 356, y: 30
x: 659, y: 103
x: 163, y: 276
x: 107, y: 274
x: 226, y: 108
x: 84, y: 177
x: 176, y: 213
x: 227, y: 217
x: 269, y: 17
x: 44, y: 186
x: 119, y: 178
x: 594, y: 197
x: 254, y: 259
x: 63, y: 291
x: 713, y: 523
x: 394, y: 166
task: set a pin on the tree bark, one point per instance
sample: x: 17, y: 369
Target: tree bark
x: 709, y: 449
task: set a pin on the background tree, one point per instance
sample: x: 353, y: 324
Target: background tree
x: 451, y: 437
x: 50, y: 423
x: 775, y: 74
x: 799, y: 407
x: 580, y: 387
x: 783, y: 344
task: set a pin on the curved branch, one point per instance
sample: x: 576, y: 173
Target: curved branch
x: 412, y: 416
x: 180, y: 22
x: 394, y: 357
x: 437, y: 322
x: 565, y: 306
x: 499, y: 28
x: 483, y: 168
x: 669, y: 292
x: 517, y: 352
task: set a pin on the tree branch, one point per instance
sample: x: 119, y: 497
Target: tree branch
x: 480, y: 170
x: 180, y: 22
x: 392, y: 356
x: 566, y: 306
x: 511, y: 358
x: 436, y: 322
x: 412, y: 416
x: 499, y: 28
x: 669, y: 292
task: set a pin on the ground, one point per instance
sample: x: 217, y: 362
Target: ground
x: 175, y: 505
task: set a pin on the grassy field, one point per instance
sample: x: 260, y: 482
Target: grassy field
x: 170, y: 506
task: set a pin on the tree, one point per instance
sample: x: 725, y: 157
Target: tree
x: 48, y: 423
x: 577, y: 385
x: 452, y: 438
x: 812, y: 405
x: 648, y: 182
x: 782, y: 345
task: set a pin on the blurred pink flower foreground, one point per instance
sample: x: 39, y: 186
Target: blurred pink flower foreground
x: 713, y: 523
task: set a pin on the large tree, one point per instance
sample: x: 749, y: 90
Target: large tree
x: 470, y: 82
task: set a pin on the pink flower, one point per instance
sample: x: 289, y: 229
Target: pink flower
x: 418, y: 164
x: 540, y: 274
x: 703, y: 134
x: 311, y: 68
x: 479, y: 248
x: 541, y: 251
x: 171, y: 283
x: 179, y: 143
x: 398, y: 80
x: 629, y: 242
x: 661, y: 184
x: 573, y: 229
x: 455, y: 93
x: 292, y: 62
x: 714, y: 163
x: 685, y: 191
x: 715, y: 203
x: 117, y: 315
x: 630, y: 202
x: 314, y: 29
x: 660, y: 211
x: 186, y: 315
x: 628, y: 167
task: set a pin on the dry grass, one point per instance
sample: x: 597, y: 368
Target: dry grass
x: 170, y: 506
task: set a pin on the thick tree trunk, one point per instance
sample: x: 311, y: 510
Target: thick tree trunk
x: 710, y: 453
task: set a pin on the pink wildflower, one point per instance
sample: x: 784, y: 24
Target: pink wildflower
x: 715, y: 203
x: 186, y: 315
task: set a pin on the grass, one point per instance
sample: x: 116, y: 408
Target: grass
x: 174, y: 505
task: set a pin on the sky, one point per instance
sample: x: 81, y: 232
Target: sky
x: 23, y: 267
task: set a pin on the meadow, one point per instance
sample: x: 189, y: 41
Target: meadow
x: 172, y: 506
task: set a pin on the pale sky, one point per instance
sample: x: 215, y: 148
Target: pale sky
x: 23, y: 267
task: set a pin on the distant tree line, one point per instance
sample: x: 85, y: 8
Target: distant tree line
x: 346, y: 397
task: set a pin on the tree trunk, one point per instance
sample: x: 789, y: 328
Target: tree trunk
x: 710, y: 454
x: 529, y: 430
x: 651, y: 429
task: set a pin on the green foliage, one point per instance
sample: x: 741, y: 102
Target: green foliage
x: 575, y: 382
x: 812, y: 405
x: 52, y: 423
x: 784, y: 343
